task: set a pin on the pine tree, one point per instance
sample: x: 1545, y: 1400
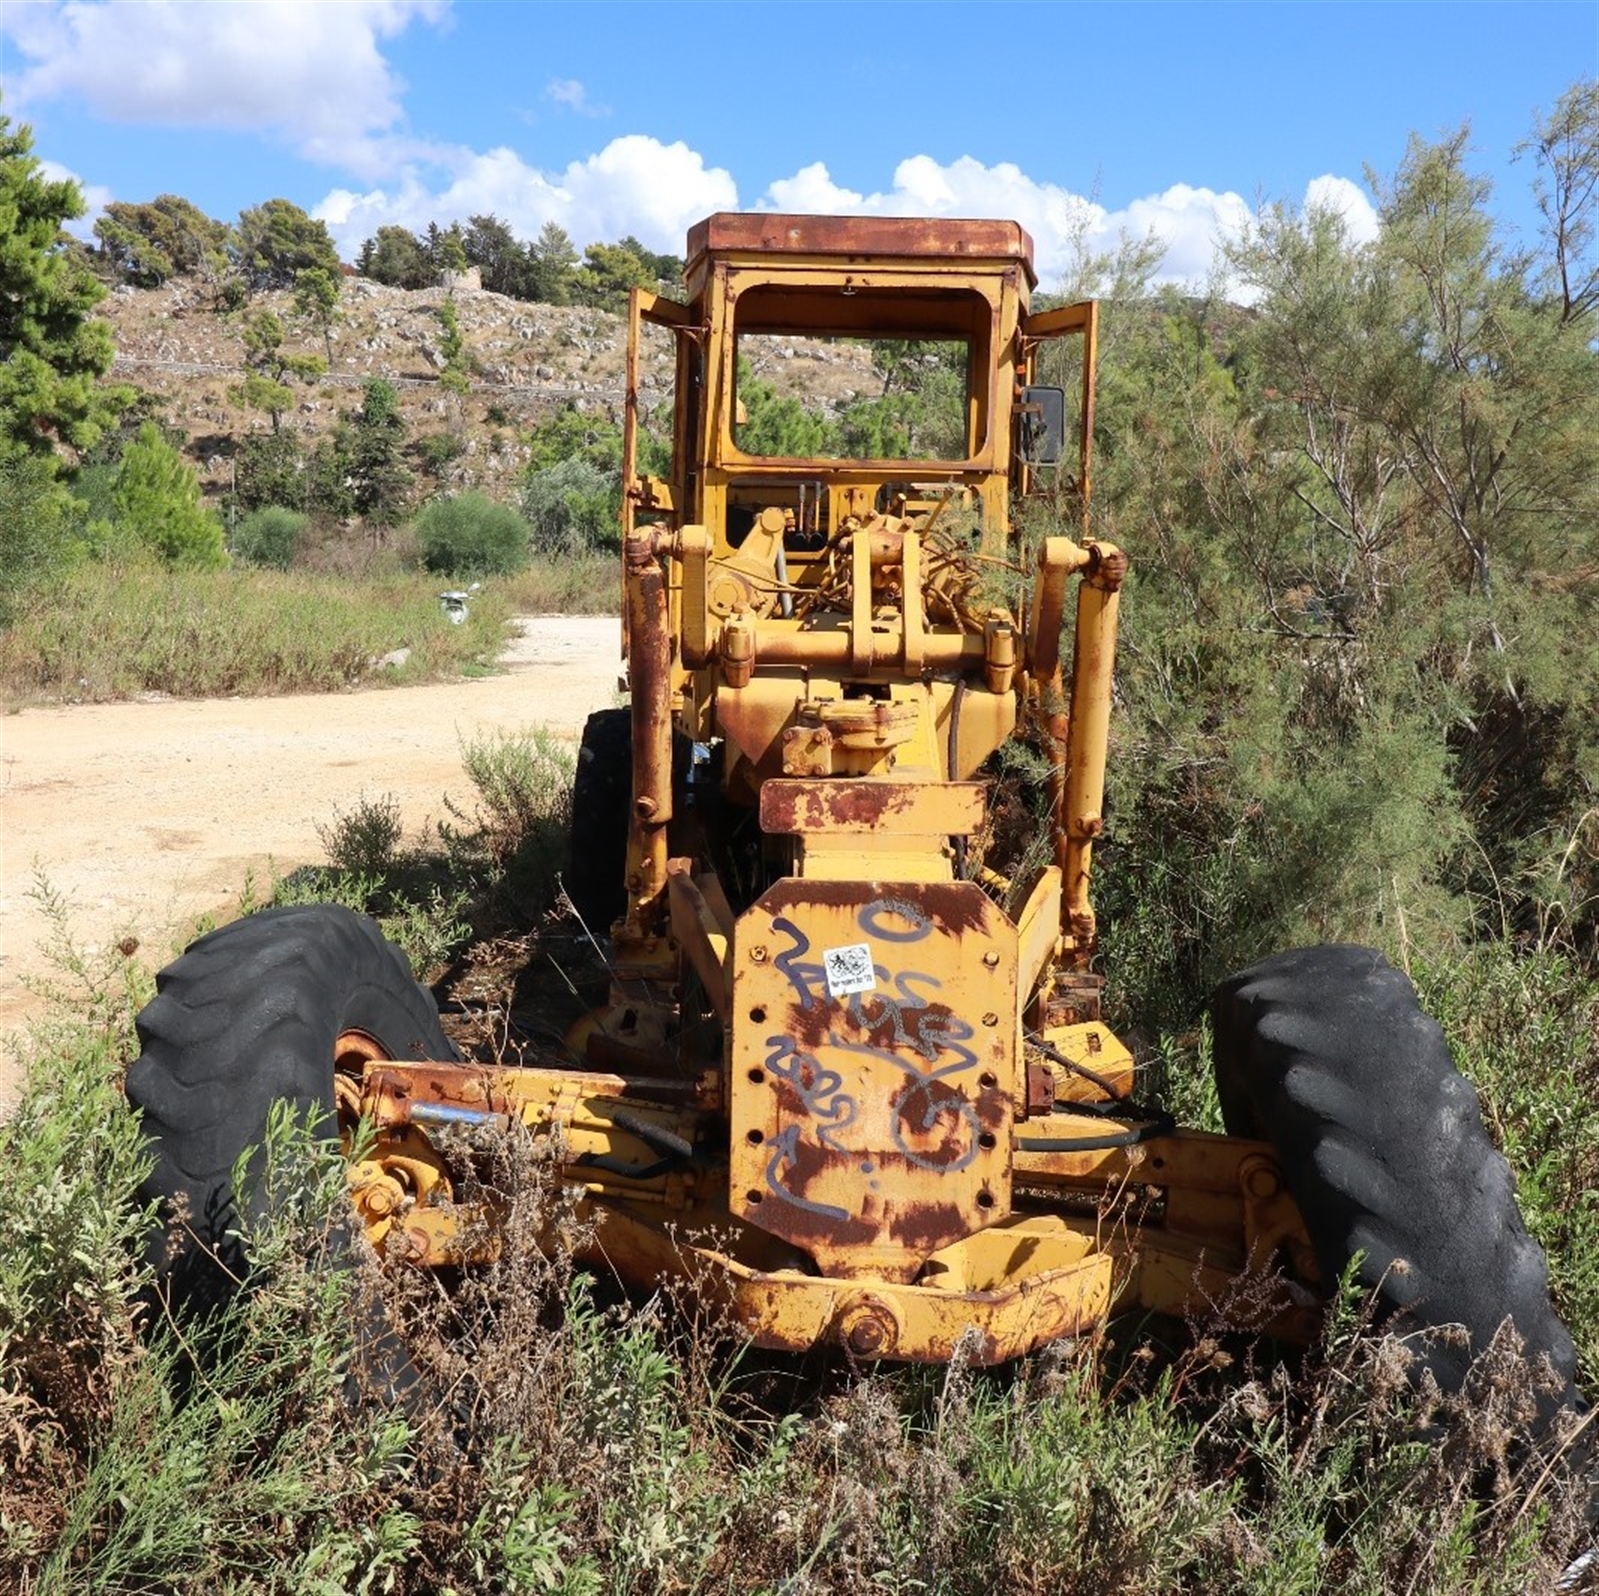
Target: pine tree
x: 156, y: 499
x: 52, y: 354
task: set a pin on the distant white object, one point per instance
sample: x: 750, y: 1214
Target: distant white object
x: 1575, y: 1572
x: 453, y: 604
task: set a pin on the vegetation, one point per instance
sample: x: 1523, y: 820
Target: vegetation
x: 1358, y: 643
x: 112, y: 631
x: 544, y: 269
x: 39, y: 522
x: 147, y: 244
x: 269, y: 366
x: 471, y: 535
x: 268, y: 536
x: 1355, y: 699
x: 155, y: 502
x: 277, y: 241
x: 563, y: 1445
x: 52, y: 354
x: 571, y: 509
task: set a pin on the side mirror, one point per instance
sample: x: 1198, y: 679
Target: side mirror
x: 1041, y: 425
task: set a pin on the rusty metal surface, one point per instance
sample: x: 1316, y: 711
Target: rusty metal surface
x: 927, y: 809
x: 1088, y: 738
x: 892, y: 236
x: 854, y: 1151
x: 872, y: 1070
x: 650, y: 678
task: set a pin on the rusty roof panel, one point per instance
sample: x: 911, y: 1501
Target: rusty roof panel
x: 905, y: 236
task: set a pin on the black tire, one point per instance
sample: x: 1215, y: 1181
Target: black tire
x: 1326, y: 1053
x: 602, y: 797
x: 248, y: 1017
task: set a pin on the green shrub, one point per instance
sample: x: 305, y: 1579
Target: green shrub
x: 471, y: 535
x: 38, y: 527
x: 365, y: 840
x: 439, y: 449
x: 156, y: 503
x: 571, y: 509
x: 269, y: 536
x: 516, y: 839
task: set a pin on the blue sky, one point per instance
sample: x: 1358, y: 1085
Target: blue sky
x: 1081, y: 120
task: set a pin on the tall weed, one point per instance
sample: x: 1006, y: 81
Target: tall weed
x: 516, y: 836
x: 584, y: 584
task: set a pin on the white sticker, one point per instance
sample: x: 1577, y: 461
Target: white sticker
x: 849, y: 969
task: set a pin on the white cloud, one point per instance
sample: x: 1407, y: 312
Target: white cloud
x: 1190, y: 223
x: 656, y: 191
x: 634, y: 185
x: 314, y: 76
x: 812, y: 191
x: 1346, y: 199
x: 95, y: 195
x: 574, y: 96
x: 310, y: 73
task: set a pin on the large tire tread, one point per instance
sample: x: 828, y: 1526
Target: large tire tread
x: 1327, y: 1053
x: 247, y: 1017
x: 602, y: 798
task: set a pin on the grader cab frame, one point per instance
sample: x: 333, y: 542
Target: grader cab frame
x: 850, y: 1079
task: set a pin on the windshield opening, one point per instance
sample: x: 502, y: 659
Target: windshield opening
x: 858, y: 376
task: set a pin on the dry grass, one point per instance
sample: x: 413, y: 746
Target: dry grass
x: 106, y: 633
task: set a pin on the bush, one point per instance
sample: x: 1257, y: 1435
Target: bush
x: 269, y: 536
x: 471, y: 535
x: 271, y: 469
x: 439, y: 450
x: 37, y: 530
x: 571, y: 509
x: 156, y: 501
x: 516, y: 839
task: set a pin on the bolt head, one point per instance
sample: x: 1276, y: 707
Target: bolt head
x: 866, y: 1338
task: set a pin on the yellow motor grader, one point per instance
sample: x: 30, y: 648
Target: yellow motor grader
x: 851, y: 1077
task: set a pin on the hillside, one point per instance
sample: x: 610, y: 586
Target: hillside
x: 526, y: 359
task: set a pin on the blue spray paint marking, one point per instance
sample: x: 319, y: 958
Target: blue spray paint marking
x: 783, y: 1150
x: 919, y: 924
x: 802, y: 977
x: 915, y: 1100
x: 903, y: 1001
x: 819, y: 1089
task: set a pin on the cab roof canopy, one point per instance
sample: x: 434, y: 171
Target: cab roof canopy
x: 849, y: 237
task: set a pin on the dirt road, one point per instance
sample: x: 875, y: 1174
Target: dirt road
x: 143, y: 815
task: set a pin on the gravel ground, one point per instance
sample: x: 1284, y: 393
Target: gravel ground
x: 143, y: 815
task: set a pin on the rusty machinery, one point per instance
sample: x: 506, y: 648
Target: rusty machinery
x: 855, y: 1082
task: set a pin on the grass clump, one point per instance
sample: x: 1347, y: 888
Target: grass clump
x: 586, y: 584
x: 489, y: 867
x: 420, y: 904
x: 524, y: 809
